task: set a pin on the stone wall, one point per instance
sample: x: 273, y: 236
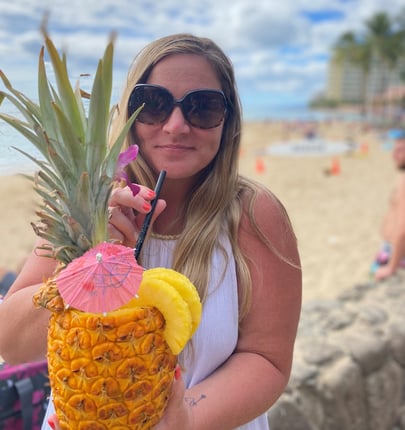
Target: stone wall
x: 349, y: 364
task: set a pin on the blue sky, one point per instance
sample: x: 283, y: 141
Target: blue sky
x: 280, y: 49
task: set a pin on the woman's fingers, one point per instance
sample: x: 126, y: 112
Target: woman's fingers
x: 124, y: 197
x: 127, y: 213
x: 122, y: 222
x: 53, y: 422
x: 160, y: 207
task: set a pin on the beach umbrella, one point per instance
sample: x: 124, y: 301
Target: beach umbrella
x: 101, y: 280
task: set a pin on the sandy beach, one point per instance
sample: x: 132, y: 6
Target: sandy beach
x: 336, y: 217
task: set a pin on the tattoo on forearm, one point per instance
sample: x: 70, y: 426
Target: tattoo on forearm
x: 191, y: 401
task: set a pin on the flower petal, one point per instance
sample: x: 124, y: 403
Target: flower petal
x: 128, y: 155
x: 123, y: 160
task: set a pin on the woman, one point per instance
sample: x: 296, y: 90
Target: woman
x: 230, y: 236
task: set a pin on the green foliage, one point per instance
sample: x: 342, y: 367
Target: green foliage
x: 381, y: 44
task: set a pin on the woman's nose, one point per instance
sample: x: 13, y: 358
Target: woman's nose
x: 176, y: 123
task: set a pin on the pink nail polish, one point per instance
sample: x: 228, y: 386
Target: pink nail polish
x: 177, y: 373
x: 146, y: 207
x: 51, y: 423
x: 151, y: 194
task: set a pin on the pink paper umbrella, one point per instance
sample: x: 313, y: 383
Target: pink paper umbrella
x: 101, y: 280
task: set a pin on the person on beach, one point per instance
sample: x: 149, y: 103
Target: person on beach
x: 392, y: 253
x: 231, y: 236
x: 7, y: 277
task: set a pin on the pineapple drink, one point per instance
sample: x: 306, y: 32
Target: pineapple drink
x: 115, y: 371
x: 112, y: 370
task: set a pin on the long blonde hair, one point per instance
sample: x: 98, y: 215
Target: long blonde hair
x: 220, y: 187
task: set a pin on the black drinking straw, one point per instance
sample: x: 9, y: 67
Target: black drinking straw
x: 145, y: 226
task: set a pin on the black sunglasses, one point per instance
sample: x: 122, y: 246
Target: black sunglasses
x: 201, y: 108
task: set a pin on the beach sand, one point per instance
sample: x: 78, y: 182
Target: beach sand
x: 336, y: 217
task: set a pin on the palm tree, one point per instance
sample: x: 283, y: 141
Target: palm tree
x: 379, y: 37
x: 400, y: 27
x: 387, y: 47
x: 380, y: 47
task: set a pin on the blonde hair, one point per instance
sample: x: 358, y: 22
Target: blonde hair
x: 220, y: 187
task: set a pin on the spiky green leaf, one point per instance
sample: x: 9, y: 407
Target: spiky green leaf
x: 98, y: 116
x: 66, y: 92
x: 24, y: 104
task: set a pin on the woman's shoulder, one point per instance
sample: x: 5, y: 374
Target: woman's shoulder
x: 260, y: 203
x: 265, y: 224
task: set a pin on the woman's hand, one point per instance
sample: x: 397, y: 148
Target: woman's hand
x: 127, y: 213
x: 53, y: 422
x: 178, y: 414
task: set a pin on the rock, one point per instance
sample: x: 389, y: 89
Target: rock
x: 349, y: 364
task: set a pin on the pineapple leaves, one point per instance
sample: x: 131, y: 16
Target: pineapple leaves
x: 110, y: 163
x: 69, y: 159
x: 98, y: 118
x: 47, y: 112
x: 23, y: 128
x: 67, y: 96
x: 53, y: 180
x: 77, y: 175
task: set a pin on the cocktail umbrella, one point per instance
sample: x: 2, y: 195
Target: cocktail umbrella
x: 101, y: 280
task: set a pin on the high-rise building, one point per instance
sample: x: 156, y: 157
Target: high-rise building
x: 349, y: 83
x: 345, y: 82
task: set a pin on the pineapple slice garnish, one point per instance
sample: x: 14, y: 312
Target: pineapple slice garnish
x: 183, y: 286
x: 163, y: 296
x: 176, y: 298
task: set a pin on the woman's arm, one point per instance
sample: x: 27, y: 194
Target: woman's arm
x: 24, y: 327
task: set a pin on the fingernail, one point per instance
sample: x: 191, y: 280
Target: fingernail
x: 151, y: 194
x: 147, y: 207
x: 177, y: 372
x: 51, y: 423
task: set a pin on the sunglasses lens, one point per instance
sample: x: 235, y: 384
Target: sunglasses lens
x: 201, y: 108
x: 158, y: 104
x: 204, y: 108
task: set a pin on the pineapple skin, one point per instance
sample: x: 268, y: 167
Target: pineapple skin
x: 107, y: 372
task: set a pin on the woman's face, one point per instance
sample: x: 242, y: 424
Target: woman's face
x: 175, y: 145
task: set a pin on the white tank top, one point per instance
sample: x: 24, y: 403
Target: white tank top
x: 216, y: 337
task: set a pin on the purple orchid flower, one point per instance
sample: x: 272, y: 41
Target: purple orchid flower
x: 123, y: 160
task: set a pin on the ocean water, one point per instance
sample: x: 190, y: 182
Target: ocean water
x: 11, y: 160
